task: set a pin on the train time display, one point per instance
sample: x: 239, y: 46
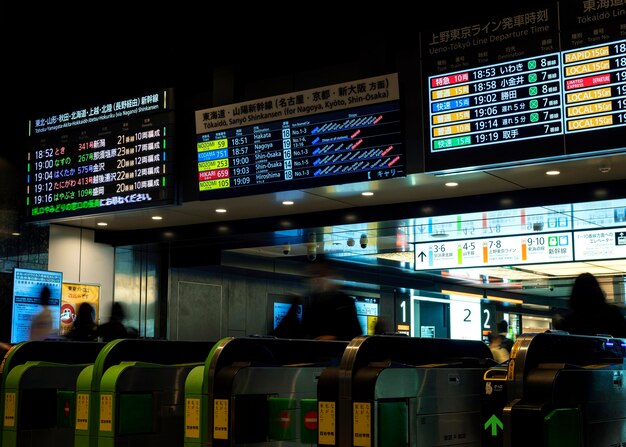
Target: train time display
x: 104, y: 158
x: 339, y: 144
x: 532, y: 91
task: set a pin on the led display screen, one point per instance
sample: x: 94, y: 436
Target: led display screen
x: 543, y: 83
x: 332, y: 135
x: 100, y: 159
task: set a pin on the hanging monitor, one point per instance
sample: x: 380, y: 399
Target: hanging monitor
x: 103, y: 158
x: 330, y: 135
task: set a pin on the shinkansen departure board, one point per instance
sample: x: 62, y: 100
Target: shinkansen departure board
x: 332, y: 135
x: 517, y: 88
x: 104, y: 158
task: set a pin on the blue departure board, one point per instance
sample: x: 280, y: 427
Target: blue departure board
x: 332, y: 135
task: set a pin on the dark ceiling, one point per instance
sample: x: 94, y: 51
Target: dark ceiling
x: 56, y: 59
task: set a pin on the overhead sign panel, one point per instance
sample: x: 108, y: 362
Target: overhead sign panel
x: 103, y: 158
x: 336, y: 134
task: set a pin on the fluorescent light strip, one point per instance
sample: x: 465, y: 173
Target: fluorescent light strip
x: 480, y: 297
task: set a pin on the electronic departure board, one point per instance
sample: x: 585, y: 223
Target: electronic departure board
x: 503, y: 90
x: 100, y: 159
x: 332, y: 135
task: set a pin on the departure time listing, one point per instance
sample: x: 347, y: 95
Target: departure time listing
x: 512, y: 101
x: 595, y: 87
x: 362, y: 142
x: 120, y: 166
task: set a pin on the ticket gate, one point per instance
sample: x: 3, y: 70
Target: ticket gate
x: 402, y: 391
x: 132, y: 394
x: 566, y: 390
x: 38, y: 394
x: 260, y: 391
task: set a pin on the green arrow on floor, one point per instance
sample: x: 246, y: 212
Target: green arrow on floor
x: 494, y: 422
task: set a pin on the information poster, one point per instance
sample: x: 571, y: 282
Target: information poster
x: 74, y: 294
x: 27, y: 287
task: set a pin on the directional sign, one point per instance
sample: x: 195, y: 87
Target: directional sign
x: 524, y: 249
x: 494, y: 424
x: 600, y: 244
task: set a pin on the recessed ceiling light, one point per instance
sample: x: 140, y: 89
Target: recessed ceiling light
x: 452, y: 184
x: 553, y: 172
x: 102, y: 224
x: 287, y: 202
x: 367, y: 193
x: 15, y: 233
x: 157, y: 218
x: 220, y: 210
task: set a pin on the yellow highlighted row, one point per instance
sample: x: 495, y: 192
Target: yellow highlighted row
x: 586, y: 123
x: 209, y: 165
x: 214, y: 184
x: 451, y: 117
x: 210, y: 145
x: 591, y: 67
x: 450, y: 92
x: 577, y: 56
x: 452, y: 130
x: 589, y: 109
x: 589, y: 95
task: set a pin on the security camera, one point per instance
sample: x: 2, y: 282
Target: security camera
x: 286, y: 249
x: 363, y: 240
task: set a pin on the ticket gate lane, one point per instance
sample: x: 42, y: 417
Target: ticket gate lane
x: 381, y: 377
x: 253, y: 379
x: 565, y: 389
x: 43, y: 378
x: 144, y: 404
x: 164, y: 352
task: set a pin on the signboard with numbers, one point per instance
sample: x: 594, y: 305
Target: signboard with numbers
x: 332, y: 135
x: 524, y: 249
x: 582, y: 231
x: 497, y: 83
x: 100, y: 159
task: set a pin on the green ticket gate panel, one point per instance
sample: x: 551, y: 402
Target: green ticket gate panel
x: 410, y: 391
x: 556, y: 378
x: 42, y: 396
x: 142, y: 404
x: 255, y: 390
x: 37, y: 398
x: 90, y: 402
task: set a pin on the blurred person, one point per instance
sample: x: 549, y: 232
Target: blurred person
x: 41, y: 324
x: 330, y: 313
x: 503, y: 329
x: 114, y: 328
x: 590, y: 314
x: 84, y: 327
x: 500, y: 353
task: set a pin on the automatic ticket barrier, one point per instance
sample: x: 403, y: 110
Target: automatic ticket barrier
x: 257, y: 391
x: 38, y: 399
x: 565, y: 390
x: 394, y: 391
x: 133, y: 393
